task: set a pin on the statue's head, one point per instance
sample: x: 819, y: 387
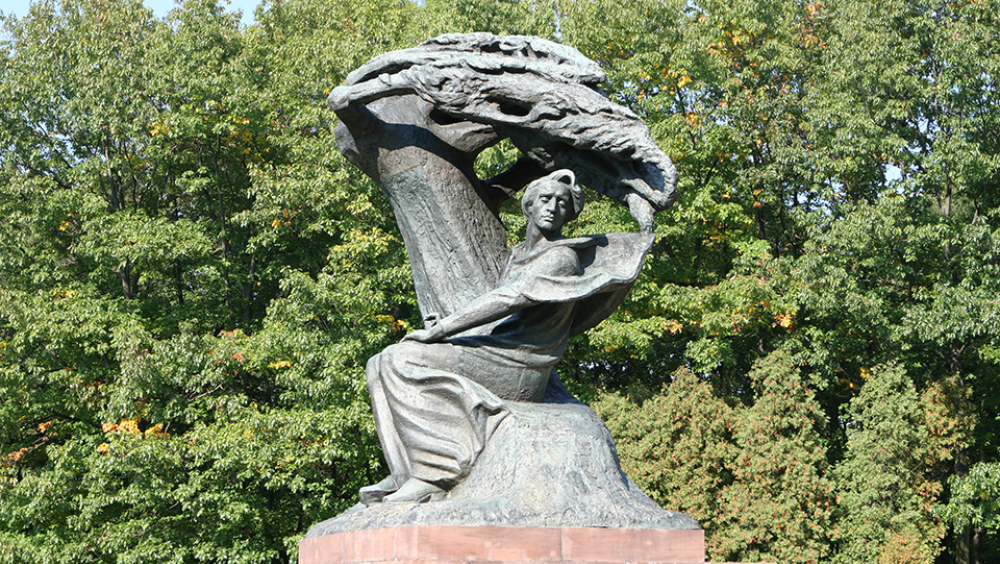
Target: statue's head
x: 551, y: 201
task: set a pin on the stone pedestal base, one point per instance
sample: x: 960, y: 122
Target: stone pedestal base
x: 494, y: 545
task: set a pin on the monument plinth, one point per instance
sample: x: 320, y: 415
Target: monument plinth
x: 450, y: 544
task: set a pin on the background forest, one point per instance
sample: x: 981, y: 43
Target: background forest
x: 192, y: 277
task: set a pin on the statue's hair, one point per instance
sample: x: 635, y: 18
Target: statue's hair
x: 563, y: 176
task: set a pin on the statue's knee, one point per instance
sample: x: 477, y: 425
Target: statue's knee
x: 393, y: 354
x: 372, y: 365
x: 372, y: 370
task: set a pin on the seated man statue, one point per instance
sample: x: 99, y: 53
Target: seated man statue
x: 439, y: 395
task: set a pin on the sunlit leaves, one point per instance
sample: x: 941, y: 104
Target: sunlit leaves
x: 976, y: 498
x: 192, y: 282
x: 888, y: 499
x: 753, y: 472
x: 193, y: 277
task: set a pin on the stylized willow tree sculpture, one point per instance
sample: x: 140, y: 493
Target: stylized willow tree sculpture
x: 415, y: 120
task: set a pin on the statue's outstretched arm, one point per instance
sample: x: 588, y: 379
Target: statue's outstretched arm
x: 490, y: 307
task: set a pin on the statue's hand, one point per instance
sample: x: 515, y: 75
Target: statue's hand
x: 641, y: 210
x: 340, y: 98
x: 432, y: 335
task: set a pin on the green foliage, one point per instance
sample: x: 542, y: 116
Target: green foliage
x: 975, y: 498
x: 837, y: 202
x: 192, y: 283
x: 779, y: 504
x: 192, y: 278
x: 502, y: 17
x: 752, y: 475
x: 677, y: 445
x: 889, y: 504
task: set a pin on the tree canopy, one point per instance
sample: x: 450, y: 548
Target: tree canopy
x: 192, y: 277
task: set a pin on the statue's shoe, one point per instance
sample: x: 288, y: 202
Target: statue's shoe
x: 375, y: 493
x: 416, y: 491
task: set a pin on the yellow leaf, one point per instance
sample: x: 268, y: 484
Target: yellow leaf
x: 130, y: 425
x: 784, y: 320
x: 157, y: 432
x: 11, y: 457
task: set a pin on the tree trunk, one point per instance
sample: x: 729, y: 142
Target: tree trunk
x: 456, y: 242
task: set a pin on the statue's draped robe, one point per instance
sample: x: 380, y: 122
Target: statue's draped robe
x: 436, y: 405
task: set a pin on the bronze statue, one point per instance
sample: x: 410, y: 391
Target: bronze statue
x: 470, y: 412
x: 436, y: 394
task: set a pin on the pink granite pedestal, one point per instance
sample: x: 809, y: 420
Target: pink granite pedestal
x: 494, y: 545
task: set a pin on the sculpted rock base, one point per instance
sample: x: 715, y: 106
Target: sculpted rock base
x: 547, y: 465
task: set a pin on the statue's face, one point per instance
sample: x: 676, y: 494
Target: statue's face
x: 552, y: 204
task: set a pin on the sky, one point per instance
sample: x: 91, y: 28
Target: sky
x: 159, y: 7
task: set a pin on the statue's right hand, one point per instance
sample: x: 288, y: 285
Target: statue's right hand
x: 641, y: 210
x: 339, y: 98
x: 425, y: 335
